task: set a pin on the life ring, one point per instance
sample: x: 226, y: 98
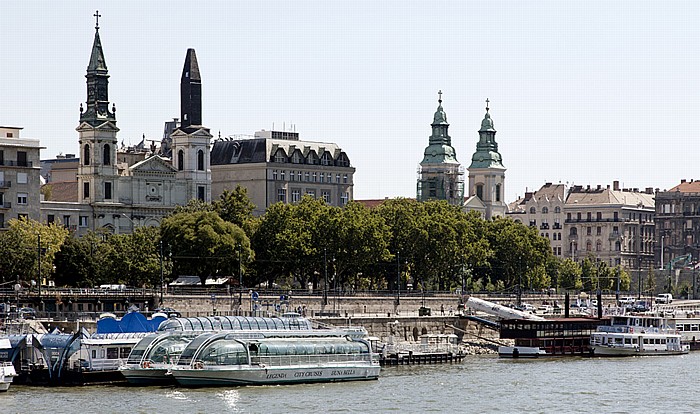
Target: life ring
x: 147, y: 364
x: 198, y: 365
x: 631, y: 330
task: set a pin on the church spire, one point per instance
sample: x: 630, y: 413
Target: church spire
x: 440, y: 148
x: 486, y: 154
x: 190, y: 92
x: 97, y: 109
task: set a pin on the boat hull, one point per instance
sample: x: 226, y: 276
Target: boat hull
x: 148, y: 376
x: 7, y: 374
x: 520, y: 352
x: 273, y: 375
x: 627, y: 351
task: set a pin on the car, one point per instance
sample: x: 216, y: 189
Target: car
x: 27, y: 313
x: 172, y: 313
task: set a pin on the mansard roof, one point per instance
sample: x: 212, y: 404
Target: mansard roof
x: 257, y: 150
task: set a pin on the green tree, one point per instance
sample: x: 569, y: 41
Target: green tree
x: 203, y: 244
x: 570, y: 275
x: 23, y: 243
x: 83, y: 261
x: 135, y: 258
x: 235, y: 207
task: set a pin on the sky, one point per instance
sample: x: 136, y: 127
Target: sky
x: 582, y: 93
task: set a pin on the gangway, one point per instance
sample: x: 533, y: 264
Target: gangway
x: 501, y: 311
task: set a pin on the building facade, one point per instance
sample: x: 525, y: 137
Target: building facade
x: 19, y: 176
x: 440, y: 176
x: 275, y: 166
x: 544, y: 210
x: 678, y: 225
x: 611, y: 225
x: 487, y: 173
x: 115, y: 191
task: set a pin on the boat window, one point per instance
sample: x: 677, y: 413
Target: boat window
x: 191, y: 349
x: 224, y: 352
x: 112, y: 353
x: 124, y: 352
x: 94, y: 353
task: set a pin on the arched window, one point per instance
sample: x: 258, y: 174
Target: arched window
x: 589, y: 246
x: 280, y: 156
x: 106, y: 155
x: 598, y: 246
x: 480, y: 191
x: 326, y: 158
x: 86, y: 155
x: 573, y: 231
x: 200, y: 160
x: 180, y: 160
x: 545, y: 210
x: 617, y: 246
x: 533, y: 210
x: 498, y: 192
x: 297, y: 158
x: 557, y: 210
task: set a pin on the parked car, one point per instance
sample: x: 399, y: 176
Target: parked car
x: 664, y: 298
x: 172, y: 313
x: 27, y: 313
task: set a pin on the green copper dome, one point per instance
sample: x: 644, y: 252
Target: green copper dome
x: 487, y: 155
x: 440, y: 150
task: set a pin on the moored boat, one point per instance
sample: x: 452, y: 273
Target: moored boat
x: 7, y: 370
x: 274, y: 358
x: 631, y: 335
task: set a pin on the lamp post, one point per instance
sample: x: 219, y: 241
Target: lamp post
x: 161, y: 272
x: 38, y: 259
x: 240, y: 279
x: 398, y: 278
x: 325, y: 279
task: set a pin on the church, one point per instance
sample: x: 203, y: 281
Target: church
x: 117, y: 191
x: 441, y: 176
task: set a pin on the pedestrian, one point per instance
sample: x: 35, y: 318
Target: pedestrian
x: 442, y: 309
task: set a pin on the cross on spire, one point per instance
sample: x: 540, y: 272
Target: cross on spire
x: 487, y: 104
x: 440, y: 96
x: 97, y: 19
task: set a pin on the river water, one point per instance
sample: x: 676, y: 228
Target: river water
x: 479, y: 384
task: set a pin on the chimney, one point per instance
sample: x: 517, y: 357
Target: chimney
x: 616, y: 185
x: 683, y: 181
x: 649, y: 190
x: 598, y: 188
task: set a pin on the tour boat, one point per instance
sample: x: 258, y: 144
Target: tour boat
x: 631, y: 335
x: 547, y: 338
x: 154, y: 355
x: 274, y: 358
x: 7, y: 370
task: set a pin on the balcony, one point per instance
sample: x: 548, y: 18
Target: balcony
x: 603, y: 220
x: 5, y: 184
x: 573, y: 236
x: 544, y: 226
x: 11, y: 163
x: 556, y: 226
x: 5, y: 205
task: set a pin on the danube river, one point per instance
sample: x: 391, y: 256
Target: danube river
x: 480, y: 384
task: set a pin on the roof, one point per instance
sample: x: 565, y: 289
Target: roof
x: 371, y: 203
x: 256, y: 150
x: 687, y: 187
x: 63, y: 191
x: 605, y: 196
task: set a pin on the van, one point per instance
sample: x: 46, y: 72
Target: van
x: 664, y: 298
x: 627, y: 301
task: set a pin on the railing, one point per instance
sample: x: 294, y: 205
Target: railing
x: 12, y: 163
x: 5, y: 184
x: 5, y: 204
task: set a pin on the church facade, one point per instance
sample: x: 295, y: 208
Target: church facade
x: 115, y: 192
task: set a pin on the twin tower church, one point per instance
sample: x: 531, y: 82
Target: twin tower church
x: 441, y: 176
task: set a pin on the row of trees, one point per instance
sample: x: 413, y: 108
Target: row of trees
x: 429, y: 245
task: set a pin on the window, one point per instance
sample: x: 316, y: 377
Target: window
x: 498, y: 192
x: 280, y: 156
x: 108, y: 191
x: 296, y: 157
x: 568, y: 216
x: 573, y: 231
x: 296, y: 196
x: 10, y: 135
x: 314, y: 177
x: 306, y: 176
x: 533, y: 210
x: 545, y: 210
x: 326, y: 159
x: 337, y: 178
x: 200, y: 160
x: 615, y: 216
x: 557, y: 210
x: 50, y: 219
x: 282, y: 175
x: 274, y: 175
x: 86, y: 190
x: 299, y: 176
x: 598, y: 231
x: 344, y: 198
x: 578, y: 216
x: 322, y: 176
x: 311, y: 193
x: 480, y: 191
x: 599, y: 216
x: 345, y: 178
x: 282, y: 195
x: 21, y: 178
x: 588, y: 231
x: 589, y: 246
x: 291, y: 176
x: 329, y: 178
x: 22, y: 159
x: 66, y: 221
x: 83, y: 221
x: 200, y: 192
x: 588, y: 216
x: 598, y: 246
x: 22, y: 198
x: 2, y: 157
x: 180, y: 160
x: 106, y: 160
x: 326, y: 196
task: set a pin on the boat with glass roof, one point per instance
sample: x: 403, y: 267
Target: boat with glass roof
x: 155, y: 354
x: 265, y: 358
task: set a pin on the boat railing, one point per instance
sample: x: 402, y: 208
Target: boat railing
x: 319, y: 359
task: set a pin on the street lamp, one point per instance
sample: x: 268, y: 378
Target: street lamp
x: 325, y: 278
x: 161, y: 272
x: 38, y: 259
x: 240, y: 280
x: 398, y: 278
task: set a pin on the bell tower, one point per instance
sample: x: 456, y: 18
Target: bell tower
x: 97, y: 132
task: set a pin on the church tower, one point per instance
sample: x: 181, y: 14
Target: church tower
x: 97, y: 173
x: 440, y: 175
x: 486, y: 172
x: 191, y: 142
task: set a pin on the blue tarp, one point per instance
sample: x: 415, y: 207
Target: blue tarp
x: 131, y: 322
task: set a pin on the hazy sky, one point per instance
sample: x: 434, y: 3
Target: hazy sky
x: 581, y: 92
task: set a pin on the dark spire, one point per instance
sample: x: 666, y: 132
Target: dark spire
x: 97, y: 108
x: 190, y: 92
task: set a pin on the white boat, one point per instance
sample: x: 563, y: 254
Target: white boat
x: 521, y: 352
x: 154, y: 355
x: 631, y: 335
x: 7, y: 370
x: 283, y: 358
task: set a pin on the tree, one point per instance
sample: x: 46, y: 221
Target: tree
x: 23, y: 243
x: 135, y: 258
x: 570, y: 275
x: 203, y: 244
x: 235, y: 207
x: 83, y: 261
